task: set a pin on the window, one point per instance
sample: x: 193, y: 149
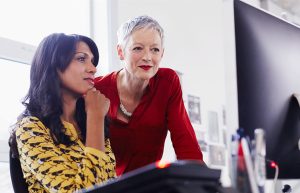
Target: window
x: 14, y: 85
x: 31, y: 20
x: 14, y: 82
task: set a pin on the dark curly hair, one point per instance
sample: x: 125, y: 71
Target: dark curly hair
x: 43, y: 100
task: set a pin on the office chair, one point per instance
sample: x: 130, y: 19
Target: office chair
x: 16, y: 175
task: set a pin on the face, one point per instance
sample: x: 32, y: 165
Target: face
x: 142, y: 53
x: 78, y: 77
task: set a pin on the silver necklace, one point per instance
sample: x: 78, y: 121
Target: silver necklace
x: 124, y: 111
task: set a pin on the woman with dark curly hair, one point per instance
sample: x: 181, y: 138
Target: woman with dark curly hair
x: 60, y: 138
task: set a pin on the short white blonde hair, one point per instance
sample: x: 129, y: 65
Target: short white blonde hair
x: 130, y: 26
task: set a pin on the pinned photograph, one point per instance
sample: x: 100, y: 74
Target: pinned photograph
x: 201, y: 140
x: 216, y: 155
x: 194, y: 109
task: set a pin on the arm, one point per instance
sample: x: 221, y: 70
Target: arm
x: 96, y: 107
x: 181, y: 130
x: 57, y: 167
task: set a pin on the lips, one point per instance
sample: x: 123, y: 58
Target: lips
x: 90, y: 80
x: 145, y: 67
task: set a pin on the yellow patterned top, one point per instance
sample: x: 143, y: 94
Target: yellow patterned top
x: 59, y: 168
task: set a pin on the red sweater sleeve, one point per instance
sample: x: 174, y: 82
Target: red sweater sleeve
x: 182, y: 133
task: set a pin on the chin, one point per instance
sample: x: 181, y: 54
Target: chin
x: 148, y: 75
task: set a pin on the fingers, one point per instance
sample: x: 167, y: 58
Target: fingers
x: 90, y: 90
x: 94, y: 94
x: 96, y: 103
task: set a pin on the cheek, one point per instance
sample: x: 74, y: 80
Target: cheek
x: 132, y: 60
x: 135, y: 57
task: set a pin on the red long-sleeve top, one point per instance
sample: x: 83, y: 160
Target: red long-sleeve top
x: 141, y: 141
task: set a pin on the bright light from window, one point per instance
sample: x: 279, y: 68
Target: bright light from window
x: 31, y: 20
x: 14, y: 79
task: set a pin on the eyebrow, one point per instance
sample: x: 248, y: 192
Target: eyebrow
x: 81, y: 53
x: 155, y: 44
x: 84, y: 54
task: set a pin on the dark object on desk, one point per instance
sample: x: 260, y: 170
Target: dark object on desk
x: 177, y: 177
x: 268, y: 76
x: 286, y: 189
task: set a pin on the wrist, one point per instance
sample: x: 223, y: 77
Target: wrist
x: 94, y: 114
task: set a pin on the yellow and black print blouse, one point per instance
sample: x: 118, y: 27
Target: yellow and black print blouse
x: 57, y: 168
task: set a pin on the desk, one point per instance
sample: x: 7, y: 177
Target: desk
x: 177, y: 177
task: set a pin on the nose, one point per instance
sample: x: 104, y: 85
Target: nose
x: 147, y: 56
x: 91, y: 68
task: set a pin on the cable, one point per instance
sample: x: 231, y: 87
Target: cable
x: 274, y: 165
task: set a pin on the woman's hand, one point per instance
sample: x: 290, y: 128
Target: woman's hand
x: 96, y: 107
x: 96, y: 103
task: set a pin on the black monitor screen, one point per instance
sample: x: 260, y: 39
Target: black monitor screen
x: 268, y: 74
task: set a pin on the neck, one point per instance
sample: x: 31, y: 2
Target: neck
x: 130, y: 87
x: 69, y: 107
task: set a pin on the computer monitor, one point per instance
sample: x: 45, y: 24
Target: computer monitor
x: 268, y: 74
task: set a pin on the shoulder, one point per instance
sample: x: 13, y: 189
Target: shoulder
x: 106, y: 81
x: 167, y: 72
x: 167, y: 75
x: 29, y: 123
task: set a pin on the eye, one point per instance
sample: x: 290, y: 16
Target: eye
x: 138, y: 48
x: 155, y: 49
x: 80, y: 58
